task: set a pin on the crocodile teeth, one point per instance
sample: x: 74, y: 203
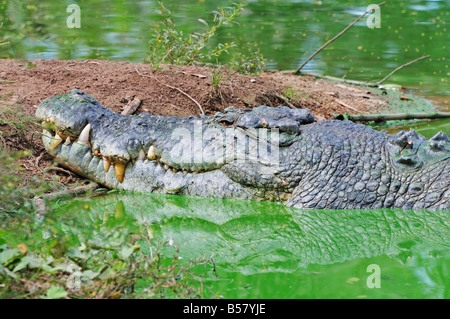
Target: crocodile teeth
x: 55, y: 142
x: 141, y: 155
x: 166, y: 167
x: 106, y: 164
x: 151, y: 153
x: 119, y: 169
x: 67, y: 142
x: 84, y: 136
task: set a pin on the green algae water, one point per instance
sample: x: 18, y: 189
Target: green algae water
x: 267, y: 250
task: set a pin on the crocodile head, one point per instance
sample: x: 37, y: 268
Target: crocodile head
x: 265, y: 153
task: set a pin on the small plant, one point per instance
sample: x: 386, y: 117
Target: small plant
x: 216, y: 77
x: 171, y: 45
x: 252, y: 64
x: 12, y: 197
x: 291, y: 94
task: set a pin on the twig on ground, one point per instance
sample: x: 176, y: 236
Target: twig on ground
x: 172, y: 87
x: 346, y: 105
x: 59, y: 169
x: 132, y: 107
x: 334, y: 38
x: 401, y: 67
x: 292, y: 106
x: 36, y: 162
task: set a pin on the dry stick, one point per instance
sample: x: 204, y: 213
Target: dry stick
x: 36, y: 162
x: 335, y: 37
x: 59, y: 169
x: 391, y: 117
x: 292, y: 106
x: 346, y: 105
x: 132, y: 107
x: 174, y: 88
x: 401, y: 67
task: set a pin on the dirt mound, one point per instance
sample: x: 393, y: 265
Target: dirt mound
x: 114, y: 83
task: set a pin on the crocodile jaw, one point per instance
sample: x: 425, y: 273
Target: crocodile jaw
x: 146, y: 175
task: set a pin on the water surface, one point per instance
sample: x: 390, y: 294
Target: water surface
x: 267, y: 250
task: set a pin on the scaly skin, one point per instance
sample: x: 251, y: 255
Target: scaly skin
x: 275, y: 154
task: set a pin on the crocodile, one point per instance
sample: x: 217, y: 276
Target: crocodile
x: 264, y: 153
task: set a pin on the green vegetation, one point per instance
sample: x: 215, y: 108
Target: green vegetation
x: 104, y: 263
x: 292, y: 95
x: 172, y: 45
x: 48, y: 254
x: 217, y: 76
x: 252, y: 64
x: 1, y: 42
x: 14, y: 197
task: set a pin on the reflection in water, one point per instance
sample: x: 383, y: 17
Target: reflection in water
x: 261, y: 242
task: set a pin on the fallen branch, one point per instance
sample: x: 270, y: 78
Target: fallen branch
x: 174, y: 88
x: 131, y: 107
x: 285, y: 100
x: 59, y: 169
x: 36, y: 162
x: 347, y: 106
x: 401, y: 67
x: 392, y: 117
x: 334, y: 38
